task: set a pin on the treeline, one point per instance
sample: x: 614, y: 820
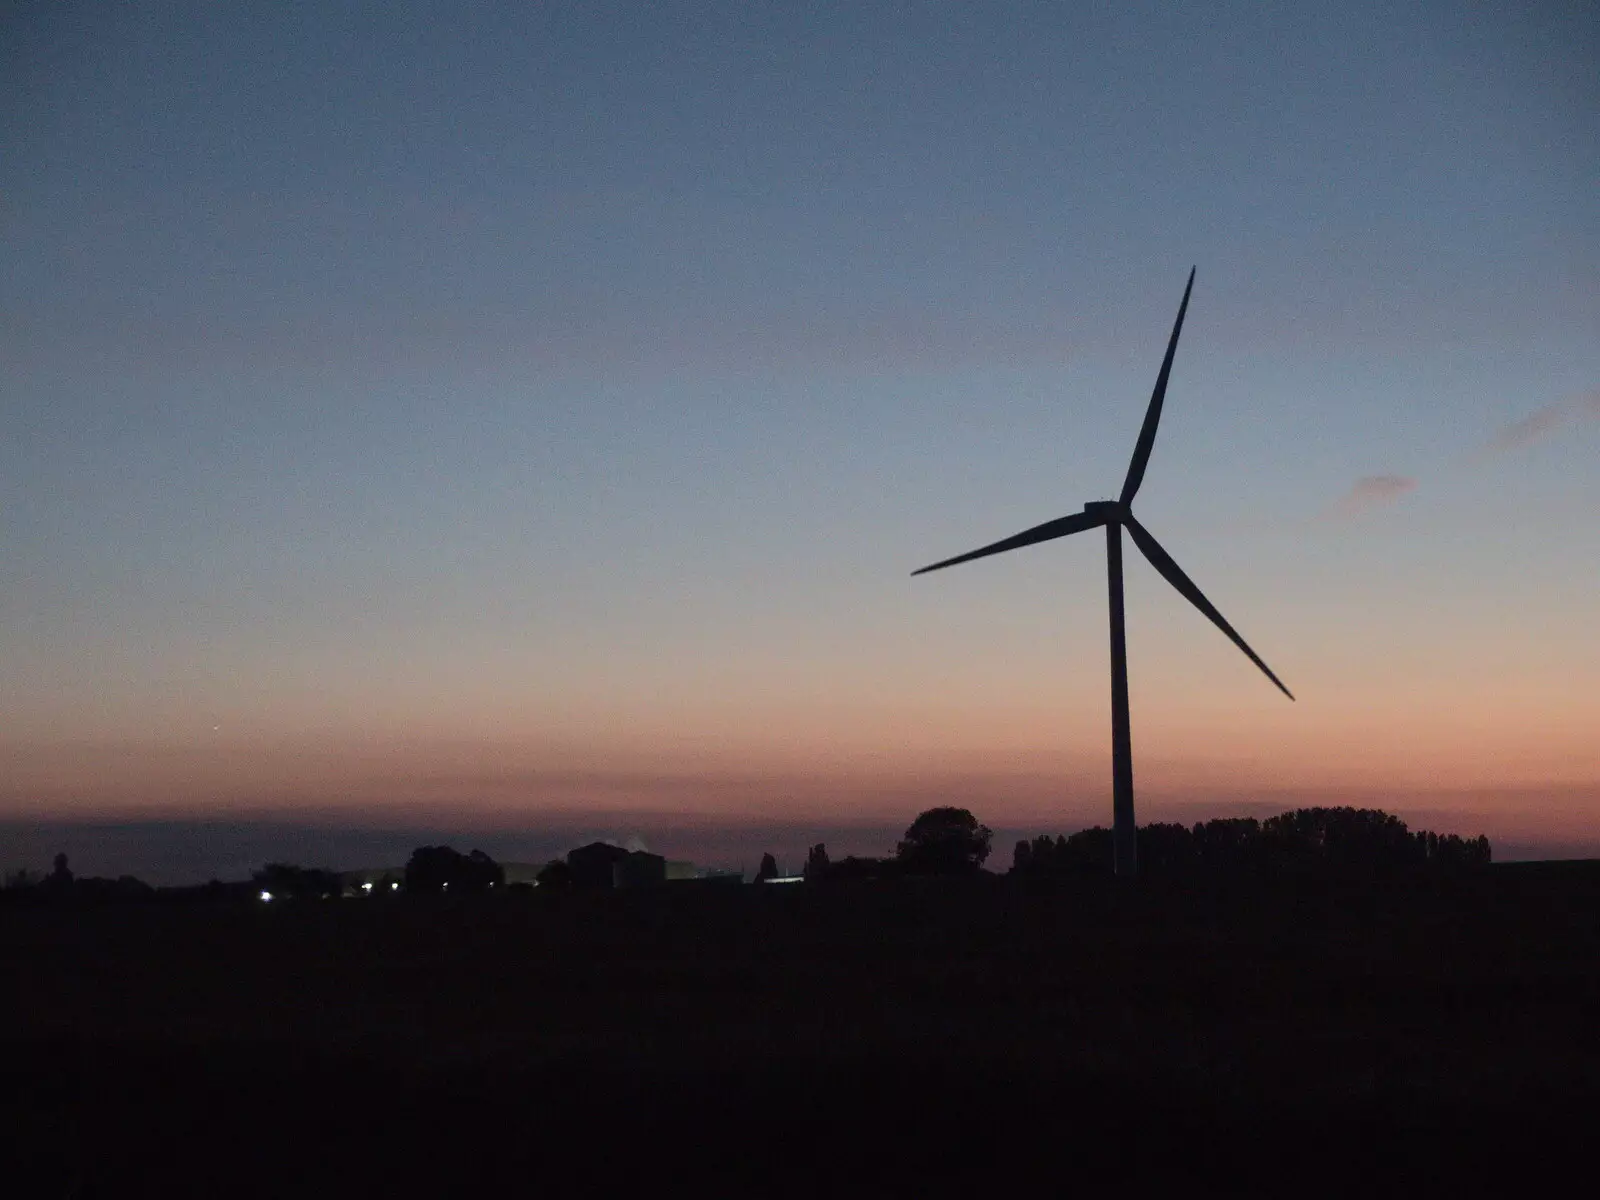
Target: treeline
x: 950, y: 841
x: 942, y: 841
x: 1335, y: 839
x: 430, y: 869
x: 61, y: 886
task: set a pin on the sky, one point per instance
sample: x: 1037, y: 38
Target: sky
x: 517, y: 418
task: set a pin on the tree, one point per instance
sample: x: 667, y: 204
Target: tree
x: 1342, y: 839
x: 944, y: 841
x: 1086, y: 852
x: 816, y: 862
x: 1166, y: 849
x: 59, y: 881
x: 768, y: 869
x: 1022, y: 857
x: 440, y: 868
x: 482, y: 872
x: 1228, y: 843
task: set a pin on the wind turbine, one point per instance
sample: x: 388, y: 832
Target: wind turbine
x: 1116, y: 515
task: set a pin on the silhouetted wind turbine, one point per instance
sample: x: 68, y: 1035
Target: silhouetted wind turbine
x: 1114, y: 515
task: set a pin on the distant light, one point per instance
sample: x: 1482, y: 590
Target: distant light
x: 366, y: 887
x: 394, y: 887
x: 445, y: 886
x: 266, y: 895
x: 786, y: 879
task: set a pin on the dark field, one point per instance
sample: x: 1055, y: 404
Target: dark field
x: 1420, y: 1034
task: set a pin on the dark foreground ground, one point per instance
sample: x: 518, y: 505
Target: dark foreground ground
x: 1420, y: 1036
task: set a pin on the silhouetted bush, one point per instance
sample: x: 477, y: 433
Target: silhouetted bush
x: 557, y: 875
x: 91, y: 891
x: 856, y: 867
x: 287, y: 881
x: 212, y: 892
x: 112, y: 891
x: 62, y: 887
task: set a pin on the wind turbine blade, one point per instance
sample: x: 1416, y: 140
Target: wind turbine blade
x: 1173, y: 573
x: 1152, y: 415
x: 1076, y: 523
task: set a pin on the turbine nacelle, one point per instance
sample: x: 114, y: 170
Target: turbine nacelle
x: 1106, y: 511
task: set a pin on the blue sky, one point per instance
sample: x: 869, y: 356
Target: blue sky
x: 579, y: 383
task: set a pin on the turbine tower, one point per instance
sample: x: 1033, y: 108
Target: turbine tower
x: 1116, y: 515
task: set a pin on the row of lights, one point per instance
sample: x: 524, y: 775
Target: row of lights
x: 365, y: 887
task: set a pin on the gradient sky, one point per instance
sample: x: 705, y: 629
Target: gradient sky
x: 513, y: 414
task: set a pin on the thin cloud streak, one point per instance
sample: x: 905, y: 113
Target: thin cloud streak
x: 1372, y: 492
x: 1530, y: 429
x: 1366, y: 494
x: 1539, y: 425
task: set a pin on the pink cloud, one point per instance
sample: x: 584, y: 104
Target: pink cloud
x: 1540, y: 424
x: 1367, y: 493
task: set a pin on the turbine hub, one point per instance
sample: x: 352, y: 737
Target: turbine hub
x: 1110, y: 510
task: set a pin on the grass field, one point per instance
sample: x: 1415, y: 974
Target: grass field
x: 1283, y: 1036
